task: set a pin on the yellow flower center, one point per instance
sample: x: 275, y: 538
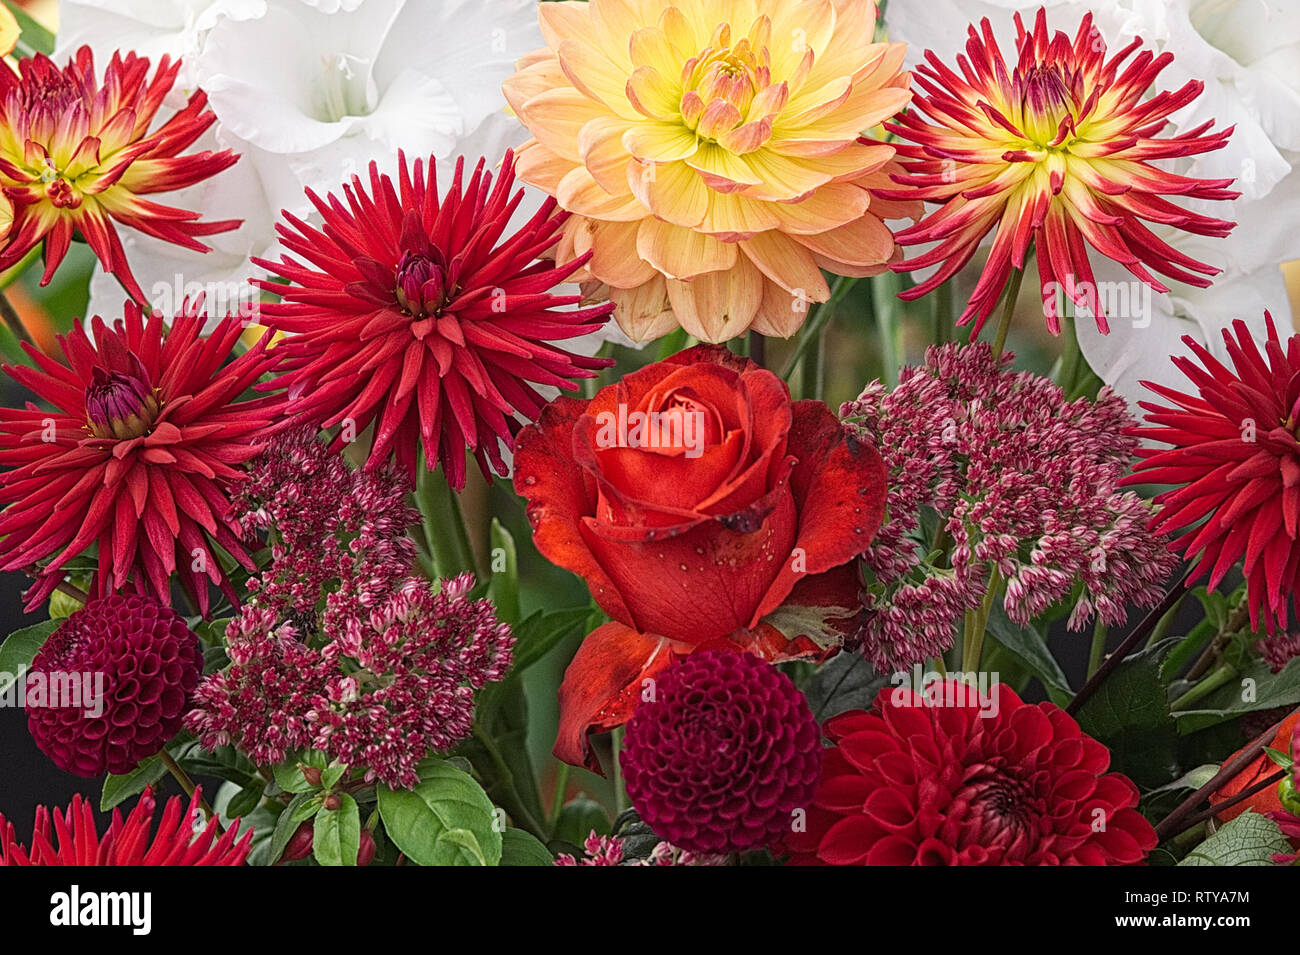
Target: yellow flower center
x: 721, y: 81
x: 1046, y: 103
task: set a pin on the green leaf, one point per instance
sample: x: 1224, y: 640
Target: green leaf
x: 1271, y: 690
x: 288, y: 775
x: 246, y: 801
x: 1250, y: 839
x: 331, y: 775
x: 519, y: 848
x: 21, y: 647
x: 537, y: 635
x: 120, y: 788
x: 464, y: 842
x: 503, y: 565
x: 445, y: 799
x: 35, y: 37
x: 1129, y: 713
x: 1192, y: 779
x: 336, y: 839
x: 845, y: 682
x: 302, y: 808
x: 1029, y: 646
x: 579, y: 818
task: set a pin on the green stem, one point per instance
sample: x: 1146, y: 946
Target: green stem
x: 507, y: 794
x: 183, y: 778
x: 1071, y: 360
x: 561, y: 787
x: 1224, y: 674
x: 12, y: 321
x: 812, y: 328
x: 977, y: 622
x: 444, y: 524
x: 1097, y: 652
x: 621, y: 801
x: 1162, y: 627
x: 942, y: 313
x: 884, y: 304
x: 1008, y: 309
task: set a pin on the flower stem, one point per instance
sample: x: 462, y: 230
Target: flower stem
x: 1097, y: 652
x: 1008, y: 309
x: 1176, y: 821
x: 183, y: 778
x: 1140, y: 633
x: 977, y: 622
x: 621, y: 802
x: 812, y: 328
x: 758, y: 349
x: 444, y: 524
x: 1218, y: 678
x: 12, y: 321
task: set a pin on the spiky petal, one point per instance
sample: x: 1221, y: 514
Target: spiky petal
x: 73, y: 839
x: 1236, y: 463
x: 136, y: 452
x: 426, y: 317
x: 76, y: 155
x: 1056, y: 152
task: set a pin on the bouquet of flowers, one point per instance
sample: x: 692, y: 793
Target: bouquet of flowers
x: 619, y: 432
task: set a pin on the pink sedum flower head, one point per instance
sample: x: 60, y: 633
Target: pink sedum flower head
x: 1025, y: 483
x: 710, y: 151
x: 425, y: 316
x: 1054, y: 151
x: 77, y: 155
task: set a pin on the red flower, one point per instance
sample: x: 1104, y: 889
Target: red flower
x: 1255, y: 772
x: 953, y: 778
x: 1236, y: 461
x: 722, y: 755
x: 700, y: 505
x: 149, y: 662
x: 1054, y: 151
x: 137, y: 455
x: 76, y: 154
x: 425, y: 317
x: 74, y: 840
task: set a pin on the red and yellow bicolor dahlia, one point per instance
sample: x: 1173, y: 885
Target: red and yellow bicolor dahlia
x: 710, y: 151
x: 136, y: 451
x: 1055, y: 153
x: 76, y: 154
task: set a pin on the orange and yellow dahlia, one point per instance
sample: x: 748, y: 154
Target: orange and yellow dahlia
x: 1056, y: 153
x: 711, y: 152
x: 76, y: 154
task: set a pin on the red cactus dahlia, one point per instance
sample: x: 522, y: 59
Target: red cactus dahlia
x: 425, y: 316
x: 953, y: 778
x: 723, y: 754
x: 1055, y: 152
x: 74, y: 840
x: 76, y: 153
x: 146, y: 662
x: 137, y: 454
x: 1236, y: 461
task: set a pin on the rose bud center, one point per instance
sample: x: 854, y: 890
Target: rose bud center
x: 421, y: 284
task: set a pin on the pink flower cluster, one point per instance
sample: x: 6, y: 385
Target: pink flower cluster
x: 609, y: 850
x: 1279, y: 649
x: 1021, y: 480
x: 340, y: 647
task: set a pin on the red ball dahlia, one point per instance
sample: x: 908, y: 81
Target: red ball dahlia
x: 136, y: 664
x: 426, y: 316
x: 953, y: 778
x: 1235, y: 462
x: 76, y: 154
x: 722, y: 754
x: 1054, y: 151
x: 137, y: 455
x: 74, y: 840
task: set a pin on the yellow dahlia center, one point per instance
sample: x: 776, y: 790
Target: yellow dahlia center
x: 721, y: 82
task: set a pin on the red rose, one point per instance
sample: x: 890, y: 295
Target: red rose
x: 704, y: 508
